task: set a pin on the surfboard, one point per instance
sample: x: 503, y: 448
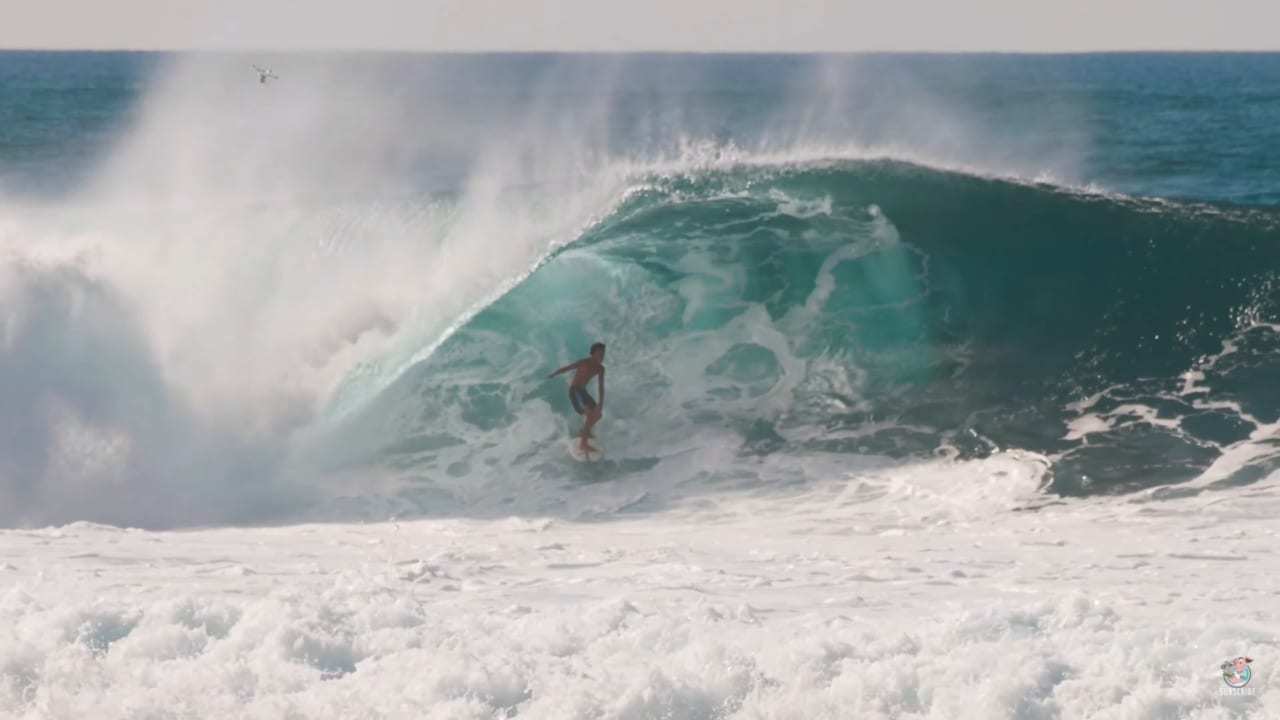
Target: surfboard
x: 575, y: 451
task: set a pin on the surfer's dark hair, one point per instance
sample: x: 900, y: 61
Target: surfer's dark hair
x: 595, y: 347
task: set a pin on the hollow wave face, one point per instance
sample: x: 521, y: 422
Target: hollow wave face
x: 762, y: 318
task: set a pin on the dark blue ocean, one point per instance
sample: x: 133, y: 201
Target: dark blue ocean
x: 339, y: 292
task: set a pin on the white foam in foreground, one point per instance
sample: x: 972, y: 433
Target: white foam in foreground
x: 931, y: 591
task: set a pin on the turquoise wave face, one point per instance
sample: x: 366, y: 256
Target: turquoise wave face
x: 867, y: 308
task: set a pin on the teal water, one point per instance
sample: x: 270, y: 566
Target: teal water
x: 894, y: 257
x: 882, y: 308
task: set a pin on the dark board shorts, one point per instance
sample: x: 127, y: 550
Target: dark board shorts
x: 582, y: 400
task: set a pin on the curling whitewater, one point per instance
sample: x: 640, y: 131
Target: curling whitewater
x: 761, y: 317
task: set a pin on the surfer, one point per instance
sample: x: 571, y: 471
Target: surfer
x: 585, y: 405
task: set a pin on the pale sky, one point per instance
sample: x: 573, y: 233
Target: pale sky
x: 635, y: 25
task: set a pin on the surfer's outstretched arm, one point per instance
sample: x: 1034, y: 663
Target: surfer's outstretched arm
x: 601, y: 389
x: 567, y: 368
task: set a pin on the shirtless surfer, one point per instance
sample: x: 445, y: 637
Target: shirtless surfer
x: 585, y: 369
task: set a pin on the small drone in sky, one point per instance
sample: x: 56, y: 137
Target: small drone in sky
x: 265, y: 74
